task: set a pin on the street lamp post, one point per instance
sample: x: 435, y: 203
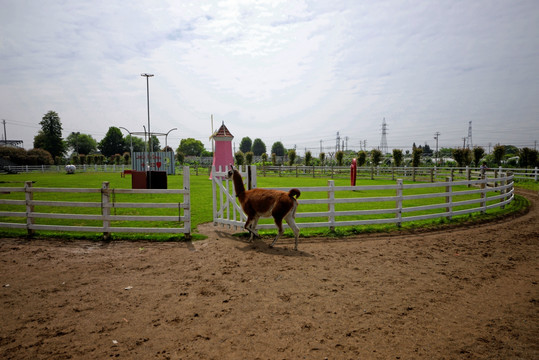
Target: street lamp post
x: 166, y: 135
x: 131, y: 147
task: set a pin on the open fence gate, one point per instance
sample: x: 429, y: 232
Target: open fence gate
x: 226, y: 210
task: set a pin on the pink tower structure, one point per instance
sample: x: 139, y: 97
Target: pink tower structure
x: 222, y: 154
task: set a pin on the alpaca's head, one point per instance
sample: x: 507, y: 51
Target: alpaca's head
x: 230, y: 173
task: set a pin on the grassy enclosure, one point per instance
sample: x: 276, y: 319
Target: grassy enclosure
x: 201, y: 202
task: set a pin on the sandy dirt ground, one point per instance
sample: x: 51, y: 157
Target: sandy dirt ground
x: 464, y: 293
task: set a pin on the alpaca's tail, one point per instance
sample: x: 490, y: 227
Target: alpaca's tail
x: 294, y: 192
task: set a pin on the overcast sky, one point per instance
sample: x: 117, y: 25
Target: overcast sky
x: 291, y: 71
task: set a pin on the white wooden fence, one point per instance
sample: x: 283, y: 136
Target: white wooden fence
x: 481, y: 195
x: 107, y: 208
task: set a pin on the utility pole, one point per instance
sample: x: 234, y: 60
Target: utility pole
x: 470, y: 144
x: 5, y: 134
x: 436, y: 135
x: 383, y: 141
x: 464, y: 142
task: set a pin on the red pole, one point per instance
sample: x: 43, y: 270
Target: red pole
x: 353, y: 171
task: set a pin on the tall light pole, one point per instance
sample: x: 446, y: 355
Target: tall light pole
x: 148, y: 76
x: 166, y: 135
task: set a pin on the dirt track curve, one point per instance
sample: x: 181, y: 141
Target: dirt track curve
x: 465, y: 293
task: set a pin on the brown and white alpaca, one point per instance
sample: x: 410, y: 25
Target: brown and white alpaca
x: 257, y: 203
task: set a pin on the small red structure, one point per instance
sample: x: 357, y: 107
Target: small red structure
x: 222, y: 155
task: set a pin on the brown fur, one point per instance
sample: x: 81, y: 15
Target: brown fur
x: 258, y: 203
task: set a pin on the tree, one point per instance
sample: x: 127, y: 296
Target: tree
x: 168, y: 149
x: 81, y: 143
x: 478, y: 153
x: 339, y: 156
x: 180, y: 157
x: 138, y: 143
x: 246, y: 144
x: 40, y: 157
x: 50, y: 136
x: 156, y: 146
x: 499, y: 152
x: 308, y: 158
x: 322, y: 157
x: 528, y: 157
x: 291, y: 156
x: 277, y: 148
x: 361, y: 158
x: 190, y: 147
x: 264, y: 158
x: 462, y: 156
x: 259, y: 147
x: 249, y: 157
x: 113, y: 143
x: 416, y: 157
x: 397, y: 157
x: 239, y: 158
x: 376, y: 156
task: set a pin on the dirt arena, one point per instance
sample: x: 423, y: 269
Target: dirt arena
x: 466, y: 293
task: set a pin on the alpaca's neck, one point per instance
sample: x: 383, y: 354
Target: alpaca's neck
x: 238, y: 184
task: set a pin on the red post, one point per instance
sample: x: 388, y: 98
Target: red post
x: 353, y: 172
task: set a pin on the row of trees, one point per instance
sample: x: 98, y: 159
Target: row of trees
x: 50, y: 147
x: 461, y: 156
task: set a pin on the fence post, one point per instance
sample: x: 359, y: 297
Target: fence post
x: 399, y: 202
x: 536, y: 174
x: 253, y: 176
x: 29, y: 197
x: 431, y: 175
x: 468, y: 176
x: 187, y: 202
x: 372, y: 172
x: 413, y: 173
x: 483, y: 193
x: 452, y: 174
x: 213, y: 188
x: 331, y: 204
x: 105, y: 209
x: 449, y: 196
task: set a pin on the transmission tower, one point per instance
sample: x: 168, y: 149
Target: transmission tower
x: 470, y: 144
x: 338, y: 145
x: 383, y: 142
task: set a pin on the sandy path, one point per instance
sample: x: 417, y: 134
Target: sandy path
x: 466, y: 293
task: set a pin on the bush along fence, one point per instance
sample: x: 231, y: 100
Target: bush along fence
x: 332, y: 206
x: 111, y: 211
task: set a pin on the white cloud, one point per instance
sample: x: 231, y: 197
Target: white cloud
x: 295, y: 71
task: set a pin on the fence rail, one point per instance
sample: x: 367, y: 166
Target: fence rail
x: 430, y: 174
x: 345, y: 209
x: 107, y: 207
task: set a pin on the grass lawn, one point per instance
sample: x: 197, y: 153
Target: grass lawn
x: 202, y: 204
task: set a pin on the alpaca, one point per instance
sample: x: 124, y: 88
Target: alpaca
x: 257, y: 203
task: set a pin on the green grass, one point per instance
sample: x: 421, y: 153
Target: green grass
x: 201, y: 202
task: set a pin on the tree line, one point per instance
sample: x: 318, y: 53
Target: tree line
x: 50, y: 148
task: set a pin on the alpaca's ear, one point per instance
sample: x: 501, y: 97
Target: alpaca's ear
x: 231, y: 167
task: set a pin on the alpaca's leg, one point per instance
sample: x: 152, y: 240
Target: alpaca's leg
x: 250, y: 225
x: 279, y: 223
x: 292, y: 223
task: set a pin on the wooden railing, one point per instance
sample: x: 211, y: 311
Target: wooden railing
x: 104, y: 211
